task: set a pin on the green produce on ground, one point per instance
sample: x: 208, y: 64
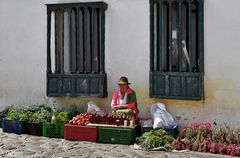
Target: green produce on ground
x: 154, y: 139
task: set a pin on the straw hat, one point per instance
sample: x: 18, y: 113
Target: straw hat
x: 124, y: 80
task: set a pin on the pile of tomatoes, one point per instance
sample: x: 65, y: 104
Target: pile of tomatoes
x: 111, y: 119
x: 81, y: 119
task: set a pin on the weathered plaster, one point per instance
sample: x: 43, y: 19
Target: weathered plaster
x: 23, y: 58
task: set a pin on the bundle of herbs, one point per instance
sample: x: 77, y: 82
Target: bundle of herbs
x: 41, y: 115
x: 155, y: 139
x: 18, y: 113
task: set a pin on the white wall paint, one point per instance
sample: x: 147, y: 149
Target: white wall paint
x: 23, y: 57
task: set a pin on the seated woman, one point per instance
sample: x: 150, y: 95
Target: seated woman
x: 125, y: 98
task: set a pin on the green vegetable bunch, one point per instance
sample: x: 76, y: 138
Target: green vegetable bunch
x: 155, y: 139
x: 42, y: 115
x: 18, y: 113
x: 61, y: 117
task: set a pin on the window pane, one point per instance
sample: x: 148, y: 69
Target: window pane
x: 174, y: 38
x: 165, y: 36
x: 185, y: 56
x: 52, y: 42
x: 80, y: 59
x: 73, y: 41
x: 195, y: 55
x: 58, y: 40
x: 66, y: 42
x: 155, y: 40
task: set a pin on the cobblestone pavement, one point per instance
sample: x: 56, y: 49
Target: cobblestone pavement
x: 26, y: 146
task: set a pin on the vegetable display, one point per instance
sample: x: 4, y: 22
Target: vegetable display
x: 81, y: 119
x: 18, y: 113
x: 41, y: 115
x: 112, y: 119
x: 155, y: 139
x: 205, y: 138
x: 59, y: 117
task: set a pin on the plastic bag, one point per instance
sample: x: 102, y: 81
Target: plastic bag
x: 162, y: 118
x: 93, y: 108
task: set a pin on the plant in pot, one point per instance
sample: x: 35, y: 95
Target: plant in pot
x: 16, y: 119
x: 34, y: 125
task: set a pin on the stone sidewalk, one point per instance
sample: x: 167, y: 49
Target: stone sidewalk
x: 26, y: 146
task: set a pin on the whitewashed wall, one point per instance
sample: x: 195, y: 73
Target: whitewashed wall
x: 23, y: 57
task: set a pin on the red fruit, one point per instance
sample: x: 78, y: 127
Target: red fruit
x: 229, y: 149
x: 222, y: 148
x: 237, y: 151
x: 206, y: 146
x: 212, y: 148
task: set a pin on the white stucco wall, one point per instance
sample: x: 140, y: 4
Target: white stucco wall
x: 23, y: 57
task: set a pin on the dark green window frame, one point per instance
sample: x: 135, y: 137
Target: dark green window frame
x: 75, y: 50
x: 176, y: 49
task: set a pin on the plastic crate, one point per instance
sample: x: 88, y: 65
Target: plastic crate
x: 34, y: 128
x: 53, y: 130
x: 82, y: 133
x: 116, y: 135
x: 13, y: 126
x: 1, y: 122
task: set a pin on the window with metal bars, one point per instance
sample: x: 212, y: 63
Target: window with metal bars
x: 176, y: 49
x: 75, y: 49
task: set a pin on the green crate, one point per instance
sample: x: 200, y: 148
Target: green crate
x: 53, y: 130
x: 116, y: 135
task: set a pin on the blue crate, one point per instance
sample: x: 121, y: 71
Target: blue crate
x: 13, y: 126
x: 1, y: 121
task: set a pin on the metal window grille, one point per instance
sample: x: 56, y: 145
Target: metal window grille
x: 78, y: 32
x: 176, y: 49
x: 75, y: 49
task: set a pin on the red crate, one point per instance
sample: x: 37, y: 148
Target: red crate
x: 82, y: 133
